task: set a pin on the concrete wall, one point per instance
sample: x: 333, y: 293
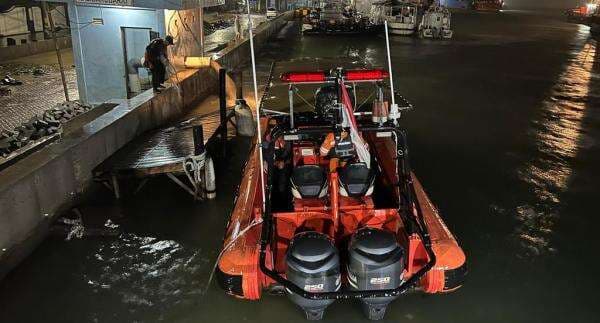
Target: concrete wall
x: 98, y: 49
x: 37, y: 189
x: 32, y: 48
x: 187, y: 41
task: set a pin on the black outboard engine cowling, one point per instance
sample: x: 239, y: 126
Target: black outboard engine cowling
x: 376, y: 262
x: 313, y: 264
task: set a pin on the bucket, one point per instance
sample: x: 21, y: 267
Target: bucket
x: 244, y: 119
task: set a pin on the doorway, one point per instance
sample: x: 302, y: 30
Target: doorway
x: 135, y: 41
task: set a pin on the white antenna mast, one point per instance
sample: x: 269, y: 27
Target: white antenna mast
x: 258, y: 130
x: 394, y: 111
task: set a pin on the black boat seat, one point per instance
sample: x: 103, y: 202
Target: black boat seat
x: 356, y: 180
x: 309, y: 181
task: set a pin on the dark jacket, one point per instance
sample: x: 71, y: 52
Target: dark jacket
x: 154, y: 51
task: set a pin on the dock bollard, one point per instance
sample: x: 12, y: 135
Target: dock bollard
x: 210, y: 183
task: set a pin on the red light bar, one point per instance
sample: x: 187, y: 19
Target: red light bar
x: 303, y: 77
x: 366, y: 75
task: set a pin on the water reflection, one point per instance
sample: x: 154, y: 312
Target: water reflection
x: 146, y: 273
x: 559, y: 135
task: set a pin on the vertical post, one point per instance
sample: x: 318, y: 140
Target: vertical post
x: 30, y: 23
x: 394, y: 113
x: 58, y: 55
x: 198, y: 134
x: 239, y: 93
x: 223, y: 107
x: 44, y: 18
x: 66, y: 12
x: 202, y: 31
x: 115, y: 184
x: 257, y: 106
x: 291, y: 98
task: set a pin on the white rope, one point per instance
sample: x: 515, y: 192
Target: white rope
x: 192, y: 166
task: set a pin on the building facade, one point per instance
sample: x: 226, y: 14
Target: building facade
x: 23, y: 22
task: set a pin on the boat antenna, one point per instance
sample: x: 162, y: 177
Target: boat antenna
x: 394, y: 111
x: 257, y: 106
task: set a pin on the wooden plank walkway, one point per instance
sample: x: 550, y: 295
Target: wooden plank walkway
x: 164, y: 150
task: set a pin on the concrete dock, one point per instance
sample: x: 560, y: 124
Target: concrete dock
x: 35, y: 191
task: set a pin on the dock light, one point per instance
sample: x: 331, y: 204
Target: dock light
x: 591, y: 8
x: 366, y: 75
x: 303, y: 77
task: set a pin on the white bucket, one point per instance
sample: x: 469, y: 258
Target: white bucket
x: 244, y: 119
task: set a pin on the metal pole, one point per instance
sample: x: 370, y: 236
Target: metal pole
x: 198, y: 135
x: 202, y: 31
x: 30, y: 23
x: 291, y: 98
x: 44, y: 14
x: 223, y: 106
x: 389, y: 59
x: 240, y: 85
x: 58, y: 55
x: 394, y: 111
x: 257, y: 107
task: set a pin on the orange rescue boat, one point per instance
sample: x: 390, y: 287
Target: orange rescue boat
x: 343, y: 215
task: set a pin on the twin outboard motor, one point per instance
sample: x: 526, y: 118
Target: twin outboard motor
x: 376, y: 262
x: 313, y: 264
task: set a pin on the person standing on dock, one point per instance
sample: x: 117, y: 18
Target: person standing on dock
x: 156, y: 59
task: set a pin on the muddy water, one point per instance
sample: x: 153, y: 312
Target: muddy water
x: 504, y: 137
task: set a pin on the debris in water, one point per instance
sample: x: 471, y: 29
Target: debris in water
x: 77, y: 229
x: 111, y: 225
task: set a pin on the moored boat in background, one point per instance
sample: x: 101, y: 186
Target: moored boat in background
x: 436, y: 23
x: 337, y: 17
x: 402, y: 19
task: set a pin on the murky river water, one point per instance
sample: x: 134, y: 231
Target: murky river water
x: 505, y: 138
